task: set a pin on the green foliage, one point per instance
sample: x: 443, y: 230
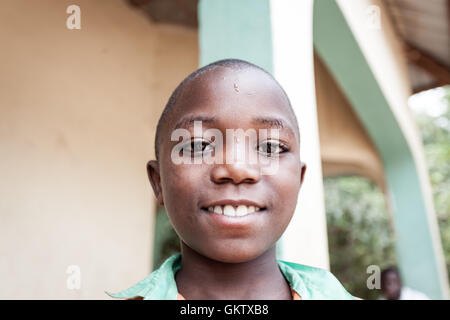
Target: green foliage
x: 435, y: 132
x: 359, y: 232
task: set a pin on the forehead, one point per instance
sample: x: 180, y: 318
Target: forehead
x: 235, y: 98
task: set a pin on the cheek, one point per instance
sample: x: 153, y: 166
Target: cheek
x: 286, y: 187
x: 180, y: 191
x: 178, y: 181
x: 287, y: 183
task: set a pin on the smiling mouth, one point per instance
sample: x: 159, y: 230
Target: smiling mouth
x: 233, y: 210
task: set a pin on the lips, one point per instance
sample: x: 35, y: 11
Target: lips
x: 233, y: 208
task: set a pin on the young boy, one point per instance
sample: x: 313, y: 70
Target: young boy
x: 230, y: 214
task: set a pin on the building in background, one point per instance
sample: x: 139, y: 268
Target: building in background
x: 79, y: 110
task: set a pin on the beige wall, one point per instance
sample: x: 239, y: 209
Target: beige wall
x: 77, y: 118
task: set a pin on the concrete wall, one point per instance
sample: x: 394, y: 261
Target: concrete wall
x: 78, y: 110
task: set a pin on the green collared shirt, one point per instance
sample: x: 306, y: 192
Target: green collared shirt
x: 308, y: 282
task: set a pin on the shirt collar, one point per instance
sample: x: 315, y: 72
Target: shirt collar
x: 161, y: 285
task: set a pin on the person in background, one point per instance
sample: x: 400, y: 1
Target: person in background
x: 392, y: 288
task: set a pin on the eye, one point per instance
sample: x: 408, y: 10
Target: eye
x: 272, y: 147
x: 197, y: 146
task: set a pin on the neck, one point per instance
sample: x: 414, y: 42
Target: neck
x: 203, y: 278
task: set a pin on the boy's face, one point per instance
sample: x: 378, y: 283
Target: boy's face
x: 231, y: 99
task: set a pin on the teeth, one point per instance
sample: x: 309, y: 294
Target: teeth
x: 229, y: 210
x: 241, y: 211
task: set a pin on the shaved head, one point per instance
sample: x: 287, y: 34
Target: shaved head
x: 231, y: 64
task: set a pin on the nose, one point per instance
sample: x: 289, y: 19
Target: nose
x: 239, y: 163
x: 236, y: 173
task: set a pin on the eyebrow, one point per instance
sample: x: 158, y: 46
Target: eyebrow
x: 188, y: 121
x: 271, y: 122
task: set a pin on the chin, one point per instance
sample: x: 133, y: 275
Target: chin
x: 233, y: 253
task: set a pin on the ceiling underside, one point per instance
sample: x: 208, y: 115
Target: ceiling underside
x: 182, y: 12
x: 424, y: 27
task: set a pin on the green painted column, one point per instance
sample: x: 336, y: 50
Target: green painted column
x: 417, y: 252
x: 235, y: 29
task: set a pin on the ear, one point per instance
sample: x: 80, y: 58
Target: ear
x: 155, y: 180
x: 303, y: 170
